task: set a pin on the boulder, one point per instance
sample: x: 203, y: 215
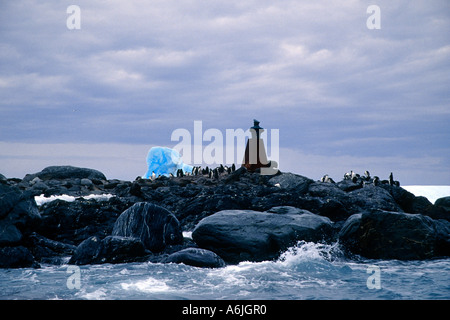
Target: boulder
x: 196, y: 257
x: 9, y: 234
x: 371, y: 197
x: 18, y: 213
x: 155, y: 226
x: 16, y: 257
x: 111, y: 249
x: 67, y: 172
x: 380, y: 234
x: 47, y: 250
x: 443, y: 202
x: 240, y: 235
x: 292, y: 182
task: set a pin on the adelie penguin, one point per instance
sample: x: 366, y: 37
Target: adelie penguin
x: 376, y: 181
x: 391, y: 179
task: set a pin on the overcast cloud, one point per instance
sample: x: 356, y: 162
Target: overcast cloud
x: 343, y: 96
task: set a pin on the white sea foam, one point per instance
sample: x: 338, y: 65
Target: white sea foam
x: 40, y: 200
x: 149, y: 285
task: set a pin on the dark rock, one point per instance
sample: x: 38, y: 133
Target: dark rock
x: 395, y: 235
x: 402, y: 197
x: 290, y: 181
x: 68, y: 172
x: 42, y: 247
x: 239, y: 235
x: 9, y: 234
x: 196, y: 257
x: 18, y: 212
x: 443, y: 202
x: 111, y: 249
x: 16, y: 257
x: 73, y: 222
x: 348, y: 185
x: 155, y: 226
x: 371, y: 197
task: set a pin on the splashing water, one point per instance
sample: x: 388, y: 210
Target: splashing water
x: 305, y: 271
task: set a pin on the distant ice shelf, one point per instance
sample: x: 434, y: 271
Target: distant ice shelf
x: 432, y: 193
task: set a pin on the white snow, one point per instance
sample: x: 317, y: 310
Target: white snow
x: 40, y: 200
x: 432, y: 193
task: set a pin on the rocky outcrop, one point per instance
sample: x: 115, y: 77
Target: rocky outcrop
x: 240, y: 235
x: 266, y: 214
x: 380, y: 234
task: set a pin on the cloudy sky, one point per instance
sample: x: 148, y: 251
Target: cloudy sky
x: 343, y: 96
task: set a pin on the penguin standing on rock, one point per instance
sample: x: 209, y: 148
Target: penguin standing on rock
x: 367, y: 174
x: 391, y: 179
x: 376, y: 181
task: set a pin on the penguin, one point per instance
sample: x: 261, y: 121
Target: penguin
x: 376, y: 181
x: 391, y: 179
x: 153, y: 175
x: 216, y: 173
x: 347, y: 176
x: 367, y: 174
x: 233, y: 168
x: 210, y: 174
x: 171, y: 175
x: 228, y: 170
x: 221, y: 169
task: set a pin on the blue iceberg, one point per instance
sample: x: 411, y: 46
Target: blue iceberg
x: 164, y: 161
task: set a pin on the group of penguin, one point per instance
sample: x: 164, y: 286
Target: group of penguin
x: 211, y: 173
x: 366, y: 179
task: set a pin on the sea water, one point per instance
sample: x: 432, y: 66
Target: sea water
x: 305, y: 271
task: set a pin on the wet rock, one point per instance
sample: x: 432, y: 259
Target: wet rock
x: 47, y: 250
x: 112, y: 249
x: 16, y: 257
x: 155, y: 226
x: 196, y: 257
x: 239, y: 235
x: 395, y: 235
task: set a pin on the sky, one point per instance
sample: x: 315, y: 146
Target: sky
x: 343, y: 96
